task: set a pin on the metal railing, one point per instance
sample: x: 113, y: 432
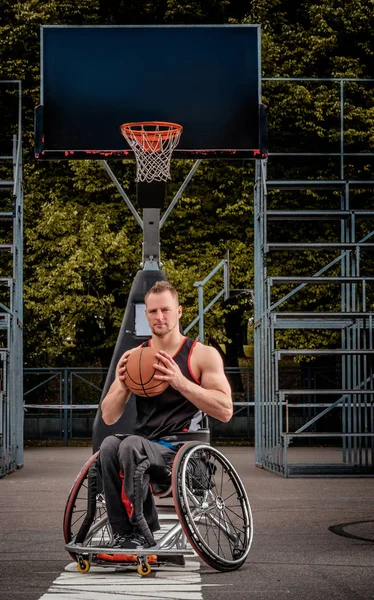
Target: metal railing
x: 11, y: 308
x: 202, y: 310
x: 61, y: 403
x: 350, y: 400
x: 341, y: 83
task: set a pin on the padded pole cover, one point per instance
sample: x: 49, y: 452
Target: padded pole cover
x: 127, y: 339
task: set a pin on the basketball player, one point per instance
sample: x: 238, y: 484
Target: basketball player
x: 197, y: 386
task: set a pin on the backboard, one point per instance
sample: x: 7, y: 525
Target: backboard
x: 95, y: 78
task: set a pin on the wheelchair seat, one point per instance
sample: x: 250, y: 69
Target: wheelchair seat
x: 202, y: 435
x: 213, y: 515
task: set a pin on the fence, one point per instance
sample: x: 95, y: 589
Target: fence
x: 61, y: 404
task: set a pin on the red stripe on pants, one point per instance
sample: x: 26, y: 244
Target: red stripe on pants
x: 125, y: 499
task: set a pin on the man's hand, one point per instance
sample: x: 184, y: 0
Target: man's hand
x: 168, y: 370
x: 114, y: 403
x: 213, y: 395
x: 121, y: 368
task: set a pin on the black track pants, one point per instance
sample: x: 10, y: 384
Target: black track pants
x: 127, y: 455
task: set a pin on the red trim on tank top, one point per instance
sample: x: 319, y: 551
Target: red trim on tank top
x: 189, y: 363
x: 180, y: 347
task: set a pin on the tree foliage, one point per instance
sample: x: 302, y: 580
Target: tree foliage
x: 83, y: 247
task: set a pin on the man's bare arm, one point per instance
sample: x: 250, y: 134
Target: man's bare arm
x: 114, y: 403
x: 213, y: 396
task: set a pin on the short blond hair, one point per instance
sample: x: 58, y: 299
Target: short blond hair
x: 162, y: 286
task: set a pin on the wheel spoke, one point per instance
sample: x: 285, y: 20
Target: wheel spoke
x: 221, y: 530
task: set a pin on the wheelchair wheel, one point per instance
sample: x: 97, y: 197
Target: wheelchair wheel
x: 85, y: 517
x: 212, y: 506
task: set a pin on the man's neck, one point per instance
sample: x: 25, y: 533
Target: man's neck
x: 168, y: 343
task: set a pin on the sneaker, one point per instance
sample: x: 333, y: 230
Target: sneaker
x: 130, y: 541
x: 141, y: 540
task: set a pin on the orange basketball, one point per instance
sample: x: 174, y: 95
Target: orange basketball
x: 140, y: 372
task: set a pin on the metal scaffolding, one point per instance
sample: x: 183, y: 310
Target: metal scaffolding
x: 11, y: 305
x: 287, y: 414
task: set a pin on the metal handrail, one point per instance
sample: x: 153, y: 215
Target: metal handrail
x: 200, y: 291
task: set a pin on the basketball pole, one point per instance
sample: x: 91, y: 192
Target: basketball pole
x: 152, y: 221
x: 150, y: 271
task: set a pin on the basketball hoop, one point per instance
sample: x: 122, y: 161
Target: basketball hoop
x: 153, y: 143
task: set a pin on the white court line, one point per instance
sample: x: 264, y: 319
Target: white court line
x: 105, y: 583
x: 124, y: 583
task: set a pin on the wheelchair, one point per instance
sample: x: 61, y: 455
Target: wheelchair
x: 209, y: 514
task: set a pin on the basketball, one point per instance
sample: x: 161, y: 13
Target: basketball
x: 140, y: 372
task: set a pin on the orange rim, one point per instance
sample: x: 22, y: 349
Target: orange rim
x: 171, y: 130
x: 153, y: 136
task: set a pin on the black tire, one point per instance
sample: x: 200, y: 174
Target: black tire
x: 76, y: 522
x: 212, y: 506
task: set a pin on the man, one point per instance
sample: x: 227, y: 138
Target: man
x: 197, y: 386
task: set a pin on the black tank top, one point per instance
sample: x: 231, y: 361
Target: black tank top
x: 169, y: 412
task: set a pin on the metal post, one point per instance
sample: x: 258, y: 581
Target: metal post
x: 180, y: 192
x: 200, y: 296
x: 226, y: 275
x: 17, y: 301
x: 122, y: 192
x: 151, y: 239
x: 342, y: 129
x: 248, y: 397
x: 71, y: 393
x: 66, y: 403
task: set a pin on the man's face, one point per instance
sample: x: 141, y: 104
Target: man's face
x: 163, y: 313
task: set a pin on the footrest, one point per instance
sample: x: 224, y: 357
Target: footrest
x: 128, y: 558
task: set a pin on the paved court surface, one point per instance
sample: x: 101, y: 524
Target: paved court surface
x: 294, y: 554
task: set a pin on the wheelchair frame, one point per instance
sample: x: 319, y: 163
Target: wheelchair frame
x: 204, y: 485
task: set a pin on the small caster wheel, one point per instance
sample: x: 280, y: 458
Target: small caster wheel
x: 144, y: 569
x: 83, y: 565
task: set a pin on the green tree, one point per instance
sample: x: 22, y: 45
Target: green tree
x: 83, y: 247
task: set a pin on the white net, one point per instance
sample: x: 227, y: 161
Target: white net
x: 153, y: 144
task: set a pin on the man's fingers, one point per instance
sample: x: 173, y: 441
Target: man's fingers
x: 123, y: 360
x: 165, y: 358
x: 160, y: 367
